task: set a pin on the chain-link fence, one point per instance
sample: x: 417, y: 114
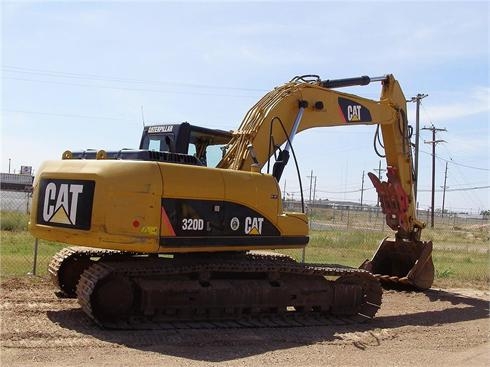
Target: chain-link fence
x: 342, y: 234
x: 349, y: 234
x: 18, y: 255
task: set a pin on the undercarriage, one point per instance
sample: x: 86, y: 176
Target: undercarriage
x: 135, y: 291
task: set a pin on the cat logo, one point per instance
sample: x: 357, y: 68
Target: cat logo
x: 65, y: 203
x: 253, y: 225
x: 353, y: 113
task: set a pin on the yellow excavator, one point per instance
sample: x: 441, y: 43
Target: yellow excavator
x: 180, y: 230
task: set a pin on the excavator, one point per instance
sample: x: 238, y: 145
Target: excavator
x: 182, y: 230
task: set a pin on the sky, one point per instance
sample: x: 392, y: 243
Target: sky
x: 79, y: 75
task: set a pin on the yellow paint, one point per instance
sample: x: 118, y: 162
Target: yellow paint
x: 125, y: 190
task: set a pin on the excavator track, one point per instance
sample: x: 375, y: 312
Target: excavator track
x: 243, y: 291
x: 67, y: 265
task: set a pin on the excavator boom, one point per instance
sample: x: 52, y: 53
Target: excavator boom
x: 308, y: 102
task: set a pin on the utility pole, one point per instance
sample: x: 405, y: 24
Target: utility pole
x: 314, y: 191
x: 284, y: 192
x: 9, y: 163
x: 433, y: 142
x: 362, y: 187
x: 311, y: 181
x: 417, y: 99
x: 311, y: 177
x: 303, y: 253
x: 444, y: 192
x: 379, y: 176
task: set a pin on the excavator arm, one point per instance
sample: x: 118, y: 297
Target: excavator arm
x: 296, y: 106
x: 301, y: 105
x: 308, y: 102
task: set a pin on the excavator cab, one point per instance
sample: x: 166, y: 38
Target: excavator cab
x: 207, y: 145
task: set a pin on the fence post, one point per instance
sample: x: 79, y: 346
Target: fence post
x: 303, y: 253
x: 34, y: 264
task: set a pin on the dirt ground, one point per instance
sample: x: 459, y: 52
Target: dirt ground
x: 436, y: 328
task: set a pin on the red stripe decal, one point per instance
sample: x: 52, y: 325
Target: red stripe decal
x: 166, y: 223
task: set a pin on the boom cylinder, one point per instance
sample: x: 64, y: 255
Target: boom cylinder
x: 349, y: 82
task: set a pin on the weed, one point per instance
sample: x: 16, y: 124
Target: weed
x: 444, y: 273
x: 13, y: 221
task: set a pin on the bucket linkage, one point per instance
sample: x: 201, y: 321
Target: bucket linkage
x: 405, y: 260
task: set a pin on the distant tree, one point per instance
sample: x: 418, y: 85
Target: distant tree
x: 485, y: 214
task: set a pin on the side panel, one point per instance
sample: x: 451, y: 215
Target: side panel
x: 159, y: 207
x: 96, y: 203
x: 206, y: 209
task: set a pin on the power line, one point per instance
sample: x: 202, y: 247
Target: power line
x: 71, y: 75
x: 344, y: 192
x: 461, y: 189
x: 130, y: 89
x: 311, y: 177
x: 451, y: 161
x: 472, y: 184
x: 67, y: 115
x: 217, y: 124
x: 379, y: 170
x: 418, y: 100
x: 421, y: 190
x: 433, y: 142
x: 471, y: 195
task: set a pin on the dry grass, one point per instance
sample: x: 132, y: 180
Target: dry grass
x: 461, y: 252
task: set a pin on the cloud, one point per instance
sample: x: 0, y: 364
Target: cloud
x: 476, y: 102
x: 469, y: 146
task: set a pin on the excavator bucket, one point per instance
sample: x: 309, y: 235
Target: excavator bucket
x: 399, y: 263
x: 404, y: 261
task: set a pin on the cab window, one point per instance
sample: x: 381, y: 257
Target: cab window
x: 157, y: 143
x: 214, y: 153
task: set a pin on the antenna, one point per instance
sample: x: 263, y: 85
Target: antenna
x: 142, y: 117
